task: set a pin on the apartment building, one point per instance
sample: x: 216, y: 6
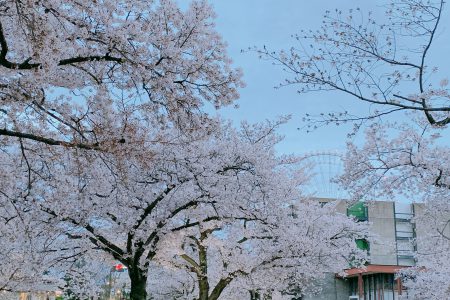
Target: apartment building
x: 392, y: 250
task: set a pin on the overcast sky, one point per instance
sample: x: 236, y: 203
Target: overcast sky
x: 245, y: 23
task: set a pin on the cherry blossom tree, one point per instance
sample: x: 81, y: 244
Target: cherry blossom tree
x: 168, y: 282
x: 36, y: 256
x: 407, y: 159
x: 387, y: 65
x: 123, y: 207
x: 384, y: 64
x: 89, y: 74
x: 25, y: 251
x: 292, y: 246
x: 89, y: 88
x: 398, y: 158
x: 136, y: 212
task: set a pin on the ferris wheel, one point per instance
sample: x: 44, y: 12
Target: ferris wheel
x: 326, y: 167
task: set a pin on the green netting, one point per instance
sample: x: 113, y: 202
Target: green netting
x: 358, y: 210
x: 362, y: 244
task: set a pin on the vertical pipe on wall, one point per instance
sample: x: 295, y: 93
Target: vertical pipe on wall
x: 360, y: 286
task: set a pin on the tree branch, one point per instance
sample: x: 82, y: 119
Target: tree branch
x: 49, y: 141
x: 25, y: 65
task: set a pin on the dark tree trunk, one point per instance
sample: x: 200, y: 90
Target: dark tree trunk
x: 254, y: 295
x: 218, y: 289
x: 138, y: 280
x: 203, y: 282
x: 203, y: 289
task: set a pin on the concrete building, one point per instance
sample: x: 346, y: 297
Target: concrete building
x: 392, y: 249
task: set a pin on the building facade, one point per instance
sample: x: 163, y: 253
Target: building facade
x: 391, y: 250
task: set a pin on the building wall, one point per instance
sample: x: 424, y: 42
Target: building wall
x: 332, y: 289
x: 383, y: 249
x: 389, y: 224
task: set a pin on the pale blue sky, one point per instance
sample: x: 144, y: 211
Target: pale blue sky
x: 245, y: 23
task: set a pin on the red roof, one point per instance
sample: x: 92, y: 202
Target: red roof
x: 373, y: 269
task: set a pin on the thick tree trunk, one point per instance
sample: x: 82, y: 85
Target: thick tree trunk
x: 218, y: 289
x: 203, y: 289
x: 138, y: 280
x: 254, y: 295
x: 203, y: 282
